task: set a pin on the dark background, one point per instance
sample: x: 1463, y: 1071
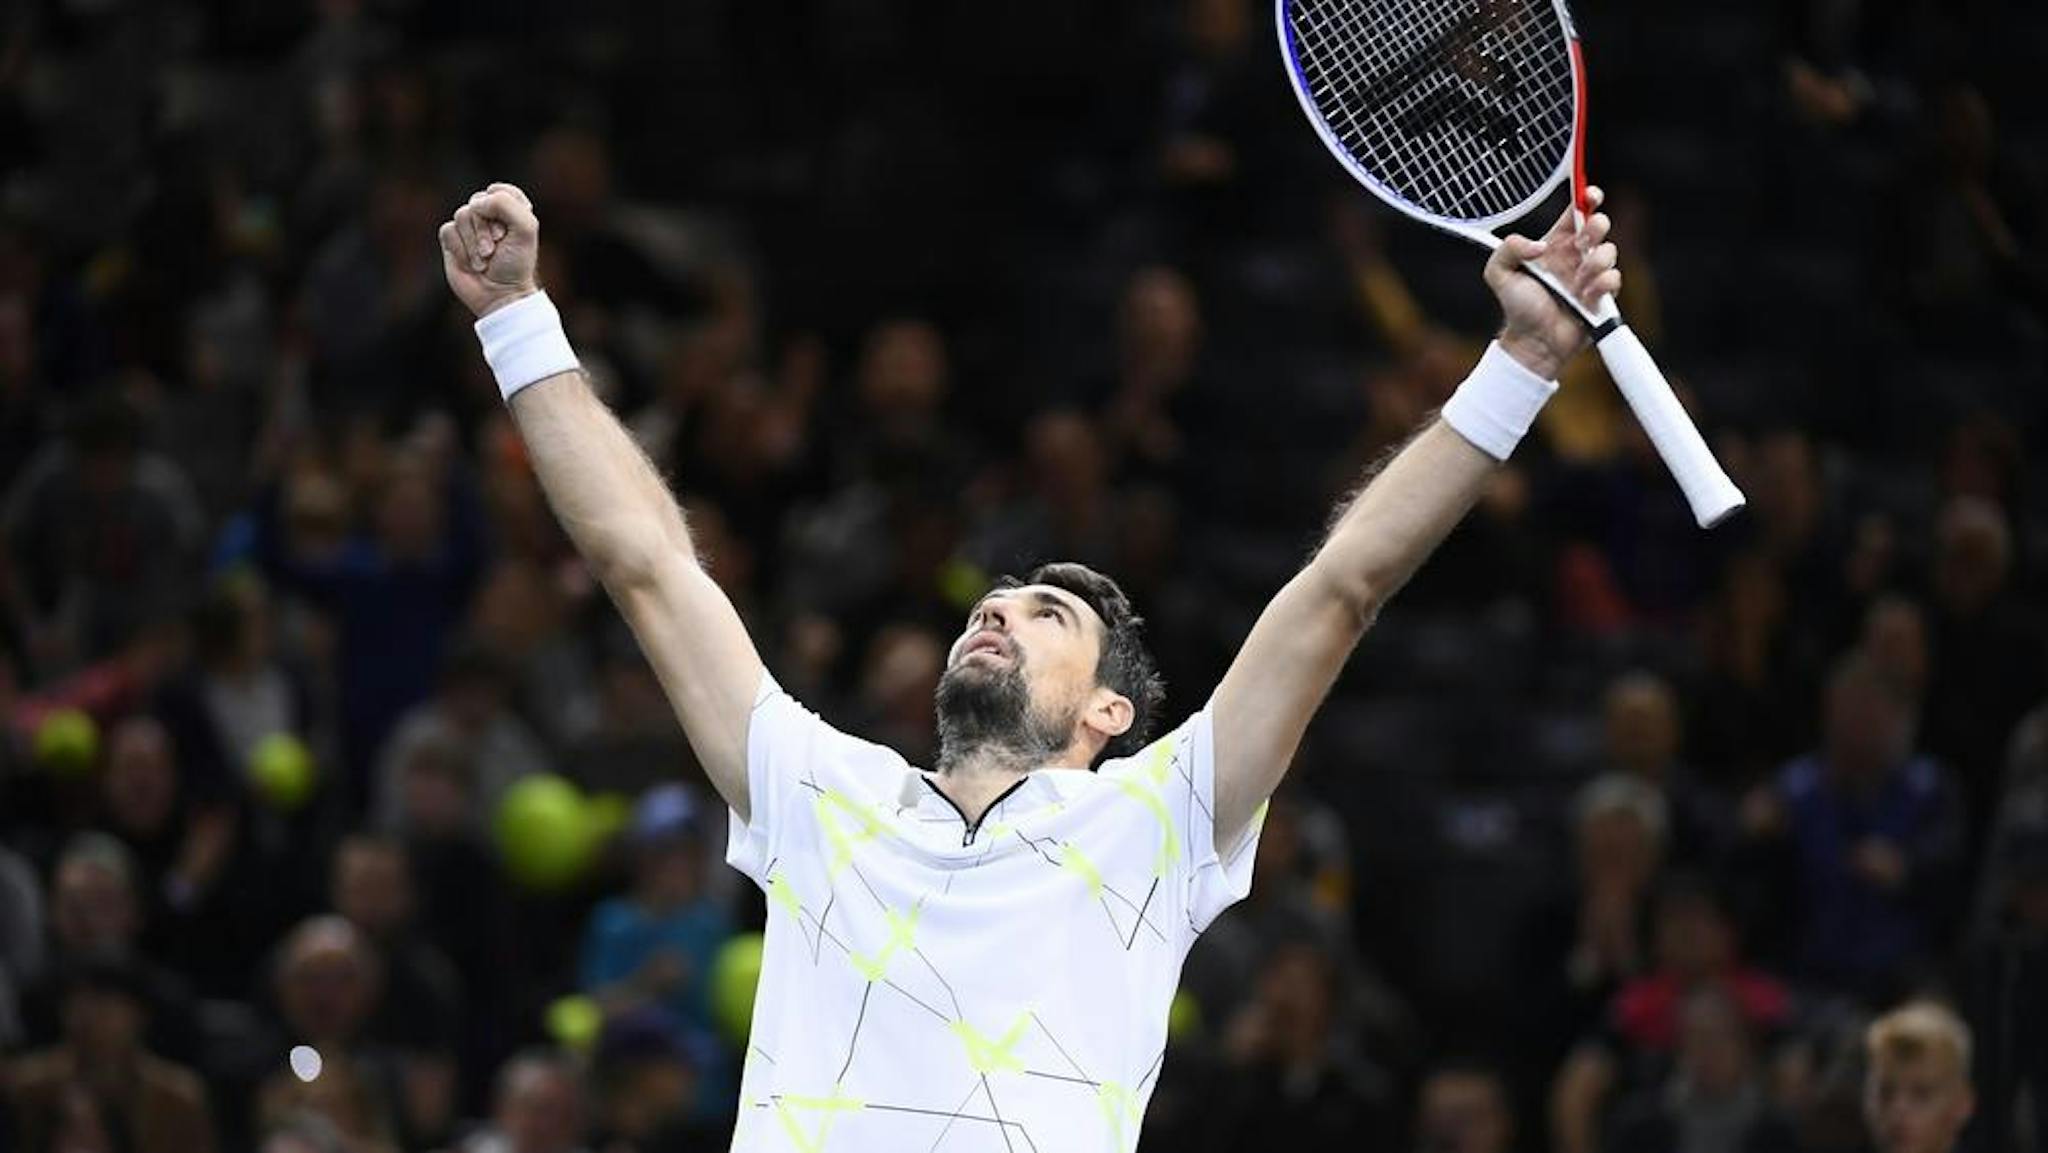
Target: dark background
x: 903, y: 294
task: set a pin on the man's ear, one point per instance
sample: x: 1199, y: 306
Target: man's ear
x: 1110, y: 714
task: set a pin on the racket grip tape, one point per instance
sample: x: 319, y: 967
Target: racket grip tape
x: 1706, y: 486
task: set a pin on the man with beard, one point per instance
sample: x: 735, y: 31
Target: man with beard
x: 983, y: 956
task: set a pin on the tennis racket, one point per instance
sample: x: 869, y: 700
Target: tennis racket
x: 1468, y: 114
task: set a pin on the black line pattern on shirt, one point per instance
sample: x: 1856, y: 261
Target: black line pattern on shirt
x: 1045, y: 849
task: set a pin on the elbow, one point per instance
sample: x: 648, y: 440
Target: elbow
x: 1359, y: 596
x: 629, y: 556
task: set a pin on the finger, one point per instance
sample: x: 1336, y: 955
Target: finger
x: 1514, y: 251
x: 1595, y: 263
x: 1593, y: 231
x: 514, y: 190
x: 488, y: 230
x: 508, y: 207
x: 1607, y: 283
x: 451, y: 244
x: 465, y: 231
x: 1571, y: 221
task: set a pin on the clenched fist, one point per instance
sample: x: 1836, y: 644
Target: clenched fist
x: 489, y: 249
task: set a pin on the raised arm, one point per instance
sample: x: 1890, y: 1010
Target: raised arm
x: 1384, y: 533
x: 609, y: 498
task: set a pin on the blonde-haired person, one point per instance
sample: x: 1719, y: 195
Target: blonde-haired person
x: 1916, y: 1093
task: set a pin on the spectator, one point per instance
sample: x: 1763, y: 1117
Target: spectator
x: 525, y: 614
x: 419, y: 1012
x: 629, y: 739
x: 1065, y: 509
x: 1870, y: 830
x: 901, y: 385
x: 539, y: 1108
x: 653, y: 947
x: 1300, y: 890
x: 328, y: 983
x: 181, y: 827
x: 1598, y: 939
x: 1144, y: 406
x: 463, y: 907
x: 372, y: 285
x: 648, y: 1086
x: 1715, y: 1100
x: 103, y: 537
x: 1697, y: 946
x: 95, y: 917
x: 471, y: 710
x: 1293, y: 1079
x: 395, y: 593
x: 1464, y: 1109
x: 101, y: 1088
x: 894, y: 705
x: 1647, y: 1021
x: 237, y: 692
x: 1917, y: 1095
x: 1989, y: 647
x: 1644, y: 734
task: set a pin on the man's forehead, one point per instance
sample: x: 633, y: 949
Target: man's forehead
x: 1078, y: 606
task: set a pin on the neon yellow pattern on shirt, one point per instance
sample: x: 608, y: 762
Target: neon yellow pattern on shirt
x: 784, y: 895
x: 829, y: 804
x: 1169, y: 844
x: 786, y: 1109
x: 1071, y: 857
x: 986, y: 1056
x: 902, y: 938
x: 1119, y: 1109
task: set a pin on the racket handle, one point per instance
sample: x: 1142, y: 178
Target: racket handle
x: 1712, y: 495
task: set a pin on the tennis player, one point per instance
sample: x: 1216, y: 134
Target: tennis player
x: 981, y: 955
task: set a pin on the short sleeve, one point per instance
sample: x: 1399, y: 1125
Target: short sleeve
x: 1180, y: 770
x: 784, y: 741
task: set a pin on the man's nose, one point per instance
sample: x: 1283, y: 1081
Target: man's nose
x: 996, y: 616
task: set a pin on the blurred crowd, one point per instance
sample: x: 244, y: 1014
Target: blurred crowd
x: 1613, y: 838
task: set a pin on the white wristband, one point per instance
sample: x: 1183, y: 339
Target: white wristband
x: 524, y: 343
x: 1498, y: 403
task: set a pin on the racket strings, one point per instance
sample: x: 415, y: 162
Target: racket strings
x: 1462, y: 109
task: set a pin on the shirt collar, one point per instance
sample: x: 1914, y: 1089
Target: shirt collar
x: 1051, y: 783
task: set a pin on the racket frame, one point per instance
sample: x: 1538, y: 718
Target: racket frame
x: 1601, y: 319
x: 1712, y: 495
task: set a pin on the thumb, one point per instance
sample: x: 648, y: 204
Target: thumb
x: 1514, y: 251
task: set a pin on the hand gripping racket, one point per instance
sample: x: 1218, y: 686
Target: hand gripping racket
x: 1467, y: 114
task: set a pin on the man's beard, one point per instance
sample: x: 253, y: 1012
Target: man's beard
x: 988, y: 712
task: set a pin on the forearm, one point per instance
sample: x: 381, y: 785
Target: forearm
x: 1404, y: 512
x: 1401, y: 515
x: 607, y: 495
x: 1378, y: 540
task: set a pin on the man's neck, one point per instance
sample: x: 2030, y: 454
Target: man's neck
x: 973, y: 778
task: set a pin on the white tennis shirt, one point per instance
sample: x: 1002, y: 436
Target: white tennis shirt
x: 934, y: 985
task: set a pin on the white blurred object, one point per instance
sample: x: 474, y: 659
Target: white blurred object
x: 305, y: 1062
